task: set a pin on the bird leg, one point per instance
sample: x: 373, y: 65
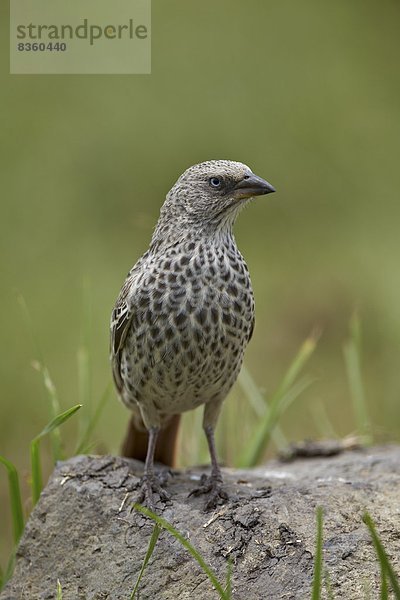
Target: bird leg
x: 212, y: 485
x: 151, y: 482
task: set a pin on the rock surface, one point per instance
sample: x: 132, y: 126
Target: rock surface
x: 84, y: 533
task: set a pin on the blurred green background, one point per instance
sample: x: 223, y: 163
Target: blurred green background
x: 307, y: 94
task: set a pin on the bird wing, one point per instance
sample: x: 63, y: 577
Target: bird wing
x: 121, y: 318
x: 253, y: 322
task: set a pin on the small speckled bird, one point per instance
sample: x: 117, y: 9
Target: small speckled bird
x: 183, y: 318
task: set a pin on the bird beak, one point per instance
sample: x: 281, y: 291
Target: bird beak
x: 252, y: 185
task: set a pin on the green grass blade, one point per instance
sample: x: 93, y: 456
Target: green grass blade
x: 150, y: 550
x: 317, y: 579
x: 9, y: 570
x: 54, y: 404
x: 39, y: 365
x: 55, y: 410
x: 250, y: 388
x: 384, y: 562
x: 259, y: 404
x: 187, y: 545
x: 294, y: 392
x: 15, y: 499
x: 84, y: 442
x: 286, y: 392
x: 57, y: 421
x: 306, y: 350
x: 59, y: 591
x: 34, y: 450
x: 36, y: 471
x: 256, y: 447
x: 84, y: 388
x: 352, y: 358
x: 84, y: 362
x: 384, y: 585
x: 328, y: 586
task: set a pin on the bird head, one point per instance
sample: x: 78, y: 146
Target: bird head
x: 213, y: 192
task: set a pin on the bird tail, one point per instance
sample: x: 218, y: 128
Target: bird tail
x: 136, y: 440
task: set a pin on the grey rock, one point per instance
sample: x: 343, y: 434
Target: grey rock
x: 84, y: 532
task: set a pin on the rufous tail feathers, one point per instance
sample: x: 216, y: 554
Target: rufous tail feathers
x: 136, y: 439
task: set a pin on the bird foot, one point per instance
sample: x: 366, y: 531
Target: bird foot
x: 151, y: 485
x: 212, y: 486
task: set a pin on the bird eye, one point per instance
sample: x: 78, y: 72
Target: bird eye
x: 215, y: 182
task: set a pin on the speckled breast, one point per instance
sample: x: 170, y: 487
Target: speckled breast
x: 193, y: 317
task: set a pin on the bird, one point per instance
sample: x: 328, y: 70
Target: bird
x: 183, y: 318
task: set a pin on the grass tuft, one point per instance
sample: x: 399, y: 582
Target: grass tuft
x: 37, y: 483
x: 224, y: 595
x: 259, y: 405
x: 288, y: 390
x: 387, y: 571
x: 4, y: 577
x: 15, y: 499
x: 49, y: 387
x: 150, y: 550
x: 55, y: 409
x: 352, y: 358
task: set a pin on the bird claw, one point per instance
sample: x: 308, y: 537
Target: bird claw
x: 150, y: 485
x: 213, y: 487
